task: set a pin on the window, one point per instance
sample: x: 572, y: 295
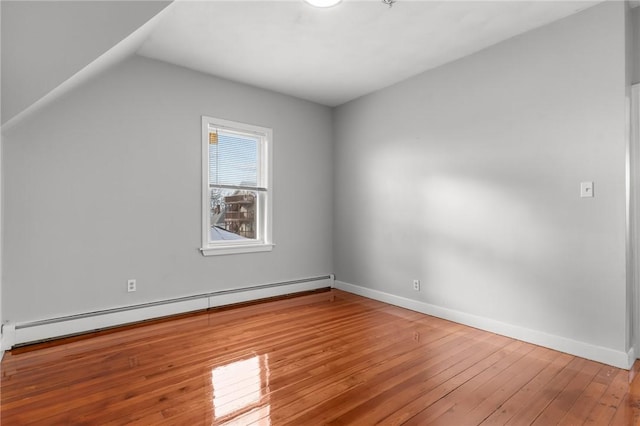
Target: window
x: 236, y: 189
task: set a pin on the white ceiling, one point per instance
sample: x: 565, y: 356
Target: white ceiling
x: 334, y: 55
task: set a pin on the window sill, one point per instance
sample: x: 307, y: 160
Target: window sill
x: 235, y: 249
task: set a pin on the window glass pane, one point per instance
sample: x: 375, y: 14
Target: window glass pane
x: 233, y: 159
x: 233, y: 214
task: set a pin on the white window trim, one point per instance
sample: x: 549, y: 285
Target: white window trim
x: 235, y: 247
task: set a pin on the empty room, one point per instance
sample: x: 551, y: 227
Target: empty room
x: 308, y: 212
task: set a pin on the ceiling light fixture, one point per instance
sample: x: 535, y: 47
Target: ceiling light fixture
x: 323, y: 3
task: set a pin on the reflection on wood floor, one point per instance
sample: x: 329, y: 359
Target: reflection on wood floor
x: 324, y: 358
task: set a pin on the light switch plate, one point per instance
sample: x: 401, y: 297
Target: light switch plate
x: 586, y: 189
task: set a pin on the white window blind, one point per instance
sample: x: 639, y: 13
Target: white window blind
x: 234, y: 159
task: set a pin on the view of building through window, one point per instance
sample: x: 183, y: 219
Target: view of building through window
x: 233, y: 214
x: 235, y: 183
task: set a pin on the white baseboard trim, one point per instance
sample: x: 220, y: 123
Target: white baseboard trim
x: 29, y: 332
x: 601, y: 354
x: 631, y: 358
x: 8, y: 337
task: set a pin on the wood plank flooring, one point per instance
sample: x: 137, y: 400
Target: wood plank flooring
x: 326, y: 358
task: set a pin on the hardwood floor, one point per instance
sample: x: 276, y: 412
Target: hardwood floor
x: 327, y: 358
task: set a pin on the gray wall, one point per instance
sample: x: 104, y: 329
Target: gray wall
x: 635, y: 17
x: 35, y: 62
x: 467, y: 177
x: 104, y: 185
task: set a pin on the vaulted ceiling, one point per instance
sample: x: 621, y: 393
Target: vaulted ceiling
x: 49, y: 45
x: 334, y: 55
x: 329, y: 56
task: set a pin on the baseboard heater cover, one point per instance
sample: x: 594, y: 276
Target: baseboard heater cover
x: 42, y: 330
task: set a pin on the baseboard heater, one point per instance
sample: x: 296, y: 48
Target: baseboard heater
x: 37, y: 331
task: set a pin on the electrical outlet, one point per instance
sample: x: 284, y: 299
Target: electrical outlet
x: 131, y: 285
x: 416, y: 285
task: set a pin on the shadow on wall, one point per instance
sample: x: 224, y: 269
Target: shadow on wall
x: 483, y: 239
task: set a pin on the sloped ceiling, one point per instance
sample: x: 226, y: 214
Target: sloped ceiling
x: 328, y: 56
x: 44, y: 43
x: 333, y: 55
